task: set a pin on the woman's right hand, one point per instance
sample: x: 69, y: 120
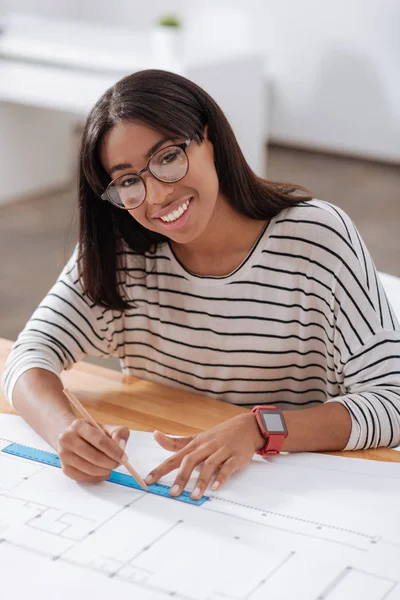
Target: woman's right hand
x: 86, y: 454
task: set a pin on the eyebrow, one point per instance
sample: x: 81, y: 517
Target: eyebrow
x: 149, y: 153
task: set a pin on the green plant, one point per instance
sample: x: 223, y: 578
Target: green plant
x: 169, y: 21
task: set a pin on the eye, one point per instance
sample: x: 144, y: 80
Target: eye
x: 128, y: 181
x: 170, y: 156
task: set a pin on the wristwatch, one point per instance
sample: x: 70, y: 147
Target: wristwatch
x: 271, y: 423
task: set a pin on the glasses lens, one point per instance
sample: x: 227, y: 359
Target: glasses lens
x: 127, y: 191
x: 169, y: 164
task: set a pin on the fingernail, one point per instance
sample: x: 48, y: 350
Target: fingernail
x: 175, y: 489
x: 122, y: 444
x: 149, y: 479
x: 196, y: 492
x: 215, y: 486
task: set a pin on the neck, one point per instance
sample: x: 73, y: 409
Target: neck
x: 228, y: 239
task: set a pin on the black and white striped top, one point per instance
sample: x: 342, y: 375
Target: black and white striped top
x: 303, y: 320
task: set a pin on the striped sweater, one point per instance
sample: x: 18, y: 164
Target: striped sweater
x: 303, y: 320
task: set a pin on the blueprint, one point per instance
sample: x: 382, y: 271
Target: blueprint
x: 309, y: 526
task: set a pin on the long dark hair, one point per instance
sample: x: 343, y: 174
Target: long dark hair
x: 170, y: 104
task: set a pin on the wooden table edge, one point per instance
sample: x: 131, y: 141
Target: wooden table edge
x: 121, y: 387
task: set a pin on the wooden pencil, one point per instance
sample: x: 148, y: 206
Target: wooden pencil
x: 89, y: 419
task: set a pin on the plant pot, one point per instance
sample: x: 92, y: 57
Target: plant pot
x: 166, y: 46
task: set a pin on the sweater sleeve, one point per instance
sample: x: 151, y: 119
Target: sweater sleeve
x: 64, y: 328
x: 366, y: 346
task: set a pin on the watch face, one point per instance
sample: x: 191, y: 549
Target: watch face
x: 273, y: 421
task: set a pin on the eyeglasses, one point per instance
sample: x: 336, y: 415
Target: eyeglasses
x: 170, y: 164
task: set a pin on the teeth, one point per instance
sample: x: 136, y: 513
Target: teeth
x: 173, y: 216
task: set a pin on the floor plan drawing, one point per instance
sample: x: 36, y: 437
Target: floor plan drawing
x: 304, y: 524
x: 354, y: 581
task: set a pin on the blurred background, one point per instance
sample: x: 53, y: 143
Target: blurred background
x: 312, y: 90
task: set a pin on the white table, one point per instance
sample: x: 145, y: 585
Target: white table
x: 52, y: 76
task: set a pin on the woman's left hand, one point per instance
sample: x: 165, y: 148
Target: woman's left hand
x: 220, y: 451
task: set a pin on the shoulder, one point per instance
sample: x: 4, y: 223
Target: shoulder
x: 70, y: 271
x: 142, y: 269
x: 147, y: 261
x: 320, y: 223
x: 126, y: 259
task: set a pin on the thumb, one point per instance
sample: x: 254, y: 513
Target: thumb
x: 171, y: 443
x: 119, y: 434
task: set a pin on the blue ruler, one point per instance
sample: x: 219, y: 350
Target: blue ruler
x: 47, y: 458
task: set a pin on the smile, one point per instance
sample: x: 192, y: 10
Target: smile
x: 178, y: 212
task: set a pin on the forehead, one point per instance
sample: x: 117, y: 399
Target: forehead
x: 127, y: 142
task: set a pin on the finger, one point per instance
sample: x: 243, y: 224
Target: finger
x: 86, y: 451
x: 119, y: 434
x: 189, y: 462
x: 173, y: 444
x: 81, y: 477
x: 209, y: 467
x: 172, y: 463
x: 99, y: 440
x: 225, y: 472
x: 87, y: 468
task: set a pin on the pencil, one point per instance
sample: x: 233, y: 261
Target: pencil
x: 89, y: 419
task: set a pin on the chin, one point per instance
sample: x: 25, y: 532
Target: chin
x: 182, y: 238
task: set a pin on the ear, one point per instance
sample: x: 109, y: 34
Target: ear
x: 207, y: 140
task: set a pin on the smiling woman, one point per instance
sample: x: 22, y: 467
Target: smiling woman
x: 141, y: 115
x: 196, y: 272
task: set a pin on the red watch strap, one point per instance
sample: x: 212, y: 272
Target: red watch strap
x: 274, y: 444
x: 274, y: 441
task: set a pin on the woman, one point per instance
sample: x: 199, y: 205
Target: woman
x: 198, y: 274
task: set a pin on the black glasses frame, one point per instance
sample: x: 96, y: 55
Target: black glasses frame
x: 105, y: 195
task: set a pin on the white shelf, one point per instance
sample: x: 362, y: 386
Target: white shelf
x: 73, y: 44
x: 43, y: 86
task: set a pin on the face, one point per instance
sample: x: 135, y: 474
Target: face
x: 124, y: 150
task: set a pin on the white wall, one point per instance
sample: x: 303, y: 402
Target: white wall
x: 334, y: 65
x: 336, y: 72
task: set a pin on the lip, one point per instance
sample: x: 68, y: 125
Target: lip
x: 180, y: 221
x: 171, y: 207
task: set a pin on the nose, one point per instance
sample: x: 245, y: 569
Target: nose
x: 157, y: 192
